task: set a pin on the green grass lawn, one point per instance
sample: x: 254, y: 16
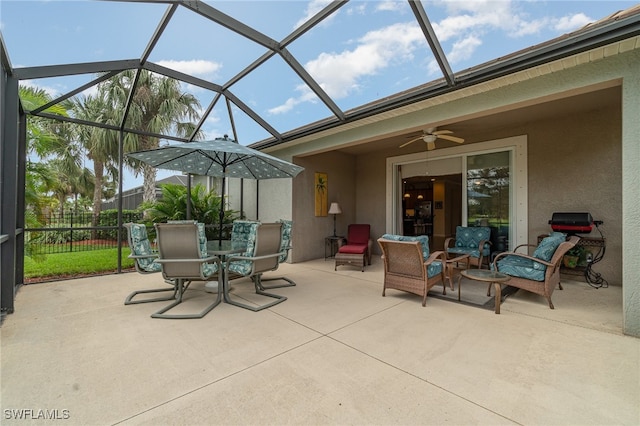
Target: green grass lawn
x: 76, y: 263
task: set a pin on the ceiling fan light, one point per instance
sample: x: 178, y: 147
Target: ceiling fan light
x: 429, y: 138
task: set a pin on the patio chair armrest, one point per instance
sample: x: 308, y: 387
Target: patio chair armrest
x: 208, y: 259
x: 435, y: 256
x: 447, y: 242
x: 524, y: 256
x: 482, y: 243
x: 253, y: 258
x: 524, y: 245
x: 461, y: 258
x: 142, y: 256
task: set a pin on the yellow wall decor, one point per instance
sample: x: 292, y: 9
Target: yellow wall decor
x: 322, y: 194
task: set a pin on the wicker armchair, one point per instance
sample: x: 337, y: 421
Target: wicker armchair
x: 406, y: 269
x: 540, y: 273
x: 474, y: 241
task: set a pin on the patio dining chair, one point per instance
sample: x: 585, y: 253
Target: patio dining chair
x: 262, y: 255
x: 285, y: 247
x: 182, y: 259
x: 144, y: 261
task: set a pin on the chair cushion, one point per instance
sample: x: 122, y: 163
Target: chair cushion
x: 141, y: 246
x: 422, y: 239
x: 435, y: 268
x: 358, y: 234
x: 468, y: 240
x: 241, y: 230
x: 209, y: 269
x: 548, y: 246
x: 353, y: 249
x: 517, y: 266
x: 464, y: 250
x: 248, y: 230
x: 287, y: 225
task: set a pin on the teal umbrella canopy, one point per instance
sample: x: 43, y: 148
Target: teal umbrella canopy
x: 222, y: 157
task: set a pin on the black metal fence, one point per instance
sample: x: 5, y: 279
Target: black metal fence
x: 69, y: 232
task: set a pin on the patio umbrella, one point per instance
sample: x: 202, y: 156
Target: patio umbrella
x: 221, y: 157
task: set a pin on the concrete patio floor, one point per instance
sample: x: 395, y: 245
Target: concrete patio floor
x: 335, y: 352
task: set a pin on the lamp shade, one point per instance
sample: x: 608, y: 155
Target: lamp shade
x: 335, y: 209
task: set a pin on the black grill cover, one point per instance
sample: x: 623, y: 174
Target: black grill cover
x: 571, y: 222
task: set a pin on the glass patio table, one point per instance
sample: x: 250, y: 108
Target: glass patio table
x: 487, y: 276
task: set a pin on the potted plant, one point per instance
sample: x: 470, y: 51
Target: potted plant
x: 575, y: 256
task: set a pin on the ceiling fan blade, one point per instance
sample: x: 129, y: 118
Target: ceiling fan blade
x: 431, y: 146
x: 451, y: 138
x: 442, y: 132
x: 411, y: 141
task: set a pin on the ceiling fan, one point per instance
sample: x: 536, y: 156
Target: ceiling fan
x: 430, y: 135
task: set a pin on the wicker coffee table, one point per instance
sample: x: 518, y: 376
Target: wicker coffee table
x: 484, y: 275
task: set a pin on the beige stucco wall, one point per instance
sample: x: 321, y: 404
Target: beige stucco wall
x: 310, y: 230
x: 574, y: 164
x: 582, y: 162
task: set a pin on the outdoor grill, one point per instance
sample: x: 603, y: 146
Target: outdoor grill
x: 572, y: 223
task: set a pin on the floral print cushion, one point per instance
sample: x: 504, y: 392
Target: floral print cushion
x: 244, y: 230
x: 140, y: 246
x: 241, y: 230
x: 287, y: 225
x: 435, y: 267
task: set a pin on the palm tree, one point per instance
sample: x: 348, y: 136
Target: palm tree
x: 100, y: 145
x: 43, y: 139
x: 158, y: 106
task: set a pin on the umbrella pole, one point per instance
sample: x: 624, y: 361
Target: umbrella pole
x: 221, y: 210
x: 188, y: 196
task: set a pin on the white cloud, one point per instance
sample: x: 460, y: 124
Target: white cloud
x: 358, y: 8
x: 375, y: 51
x: 463, y: 49
x: 465, y: 26
x: 51, y: 91
x: 193, y: 67
x: 573, y: 22
x: 390, y: 5
x: 306, y: 95
x: 525, y: 28
x: 313, y: 7
x: 287, y: 106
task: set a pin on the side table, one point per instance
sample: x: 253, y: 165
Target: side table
x: 332, y: 244
x: 454, y: 267
x: 487, y: 276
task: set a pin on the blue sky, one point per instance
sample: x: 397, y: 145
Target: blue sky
x: 365, y: 51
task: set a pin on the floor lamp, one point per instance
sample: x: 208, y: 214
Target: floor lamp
x: 335, y: 209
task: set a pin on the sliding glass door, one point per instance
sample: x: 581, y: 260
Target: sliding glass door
x: 490, y: 190
x: 489, y: 194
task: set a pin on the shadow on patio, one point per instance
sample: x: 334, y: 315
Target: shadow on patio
x: 335, y: 352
